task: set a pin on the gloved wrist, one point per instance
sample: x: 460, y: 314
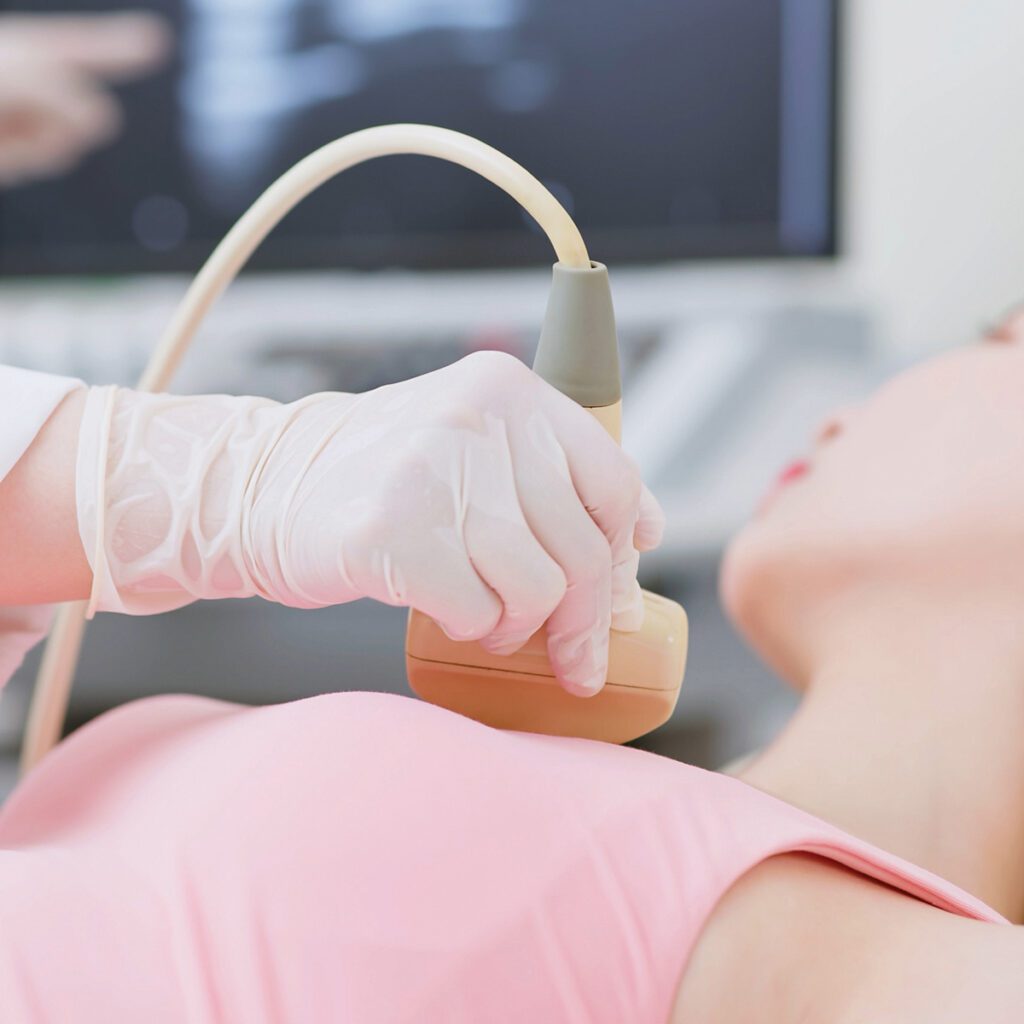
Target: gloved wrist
x: 295, y: 543
x: 161, y: 484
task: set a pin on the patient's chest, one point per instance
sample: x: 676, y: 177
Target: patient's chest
x: 362, y: 857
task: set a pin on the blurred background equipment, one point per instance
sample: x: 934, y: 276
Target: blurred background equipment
x: 698, y: 144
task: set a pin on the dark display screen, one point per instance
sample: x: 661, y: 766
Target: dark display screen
x: 669, y: 128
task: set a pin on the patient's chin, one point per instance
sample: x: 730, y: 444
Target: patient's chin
x: 732, y: 580
x: 763, y: 592
x: 745, y: 584
x: 751, y: 569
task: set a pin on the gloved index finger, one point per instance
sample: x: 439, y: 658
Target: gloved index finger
x: 609, y: 486
x: 650, y: 522
x: 578, y: 627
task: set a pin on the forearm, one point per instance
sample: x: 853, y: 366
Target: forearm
x: 41, y: 555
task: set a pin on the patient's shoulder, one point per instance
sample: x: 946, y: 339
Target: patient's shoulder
x: 802, y: 938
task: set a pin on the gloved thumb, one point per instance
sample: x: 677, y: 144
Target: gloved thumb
x: 650, y: 523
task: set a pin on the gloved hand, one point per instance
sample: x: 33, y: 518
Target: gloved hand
x: 54, y: 102
x: 477, y: 494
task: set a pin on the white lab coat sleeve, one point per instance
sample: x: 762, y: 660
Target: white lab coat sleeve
x: 27, y: 400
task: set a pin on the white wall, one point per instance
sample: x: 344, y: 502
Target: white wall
x: 934, y: 163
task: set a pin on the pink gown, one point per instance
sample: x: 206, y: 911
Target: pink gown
x: 368, y: 858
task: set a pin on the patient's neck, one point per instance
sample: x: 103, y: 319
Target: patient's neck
x: 911, y: 736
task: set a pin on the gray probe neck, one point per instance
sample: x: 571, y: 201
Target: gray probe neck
x: 578, y: 351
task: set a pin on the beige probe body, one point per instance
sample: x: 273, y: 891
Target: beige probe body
x: 520, y: 691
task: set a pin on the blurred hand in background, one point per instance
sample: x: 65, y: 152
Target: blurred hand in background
x: 56, y: 103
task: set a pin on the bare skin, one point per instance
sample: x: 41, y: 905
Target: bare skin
x: 916, y: 746
x: 801, y: 940
x: 921, y: 759
x: 888, y: 586
x: 41, y: 558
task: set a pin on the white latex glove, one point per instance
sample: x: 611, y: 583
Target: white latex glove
x: 477, y: 494
x: 54, y: 102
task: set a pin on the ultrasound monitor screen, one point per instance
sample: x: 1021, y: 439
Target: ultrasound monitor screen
x: 671, y: 129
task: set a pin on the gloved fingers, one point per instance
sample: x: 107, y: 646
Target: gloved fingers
x: 628, y: 613
x: 627, y: 600
x: 499, y: 541
x: 437, y: 579
x: 578, y: 627
x: 650, y: 523
x: 609, y: 486
x: 460, y: 603
x: 527, y: 580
